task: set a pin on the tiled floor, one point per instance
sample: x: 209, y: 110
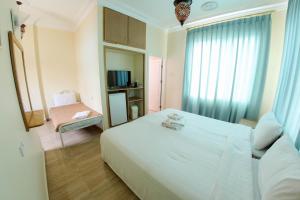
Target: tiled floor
x: 50, y: 139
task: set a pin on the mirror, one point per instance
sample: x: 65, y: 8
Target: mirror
x: 31, y: 118
x: 21, y: 78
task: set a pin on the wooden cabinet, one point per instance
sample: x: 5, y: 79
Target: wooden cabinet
x: 115, y: 27
x: 136, y: 33
x: 125, y: 30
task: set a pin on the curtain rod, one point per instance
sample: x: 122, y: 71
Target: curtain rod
x: 231, y: 19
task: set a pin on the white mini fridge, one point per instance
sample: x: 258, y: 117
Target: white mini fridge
x: 118, y: 108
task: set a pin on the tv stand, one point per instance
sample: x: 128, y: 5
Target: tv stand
x: 126, y: 60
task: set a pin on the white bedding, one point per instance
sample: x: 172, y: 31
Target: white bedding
x: 207, y: 159
x: 257, y: 195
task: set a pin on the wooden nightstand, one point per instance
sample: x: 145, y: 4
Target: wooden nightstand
x: 249, y: 123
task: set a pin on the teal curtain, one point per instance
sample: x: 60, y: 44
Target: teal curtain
x: 225, y: 69
x: 287, y: 103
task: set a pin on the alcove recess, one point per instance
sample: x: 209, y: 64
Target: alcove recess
x: 117, y: 59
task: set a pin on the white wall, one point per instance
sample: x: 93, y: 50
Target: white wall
x: 86, y: 40
x: 176, y: 59
x: 21, y: 177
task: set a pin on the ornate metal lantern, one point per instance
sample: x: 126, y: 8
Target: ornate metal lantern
x: 182, y: 10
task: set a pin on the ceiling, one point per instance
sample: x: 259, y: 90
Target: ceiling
x: 162, y: 11
x: 66, y: 14
x: 62, y: 14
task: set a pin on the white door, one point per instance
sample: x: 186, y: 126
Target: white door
x: 118, y: 109
x: 155, y: 83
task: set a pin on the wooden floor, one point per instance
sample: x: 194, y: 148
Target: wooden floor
x: 78, y: 172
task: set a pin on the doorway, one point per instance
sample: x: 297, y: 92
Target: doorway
x: 155, y: 83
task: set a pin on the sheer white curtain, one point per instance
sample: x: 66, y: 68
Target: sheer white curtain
x: 287, y: 105
x: 225, y: 69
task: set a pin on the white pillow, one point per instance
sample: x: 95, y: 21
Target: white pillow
x: 64, y: 98
x: 279, y: 172
x: 266, y: 132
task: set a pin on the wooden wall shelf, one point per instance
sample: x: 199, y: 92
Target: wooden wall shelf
x: 134, y: 99
x: 124, y: 89
x: 35, y: 118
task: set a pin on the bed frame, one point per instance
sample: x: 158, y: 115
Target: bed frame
x: 77, y: 125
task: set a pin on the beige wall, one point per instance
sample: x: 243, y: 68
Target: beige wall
x: 125, y: 60
x: 157, y: 39
x: 64, y: 61
x: 176, y: 59
x: 86, y: 40
x: 31, y: 68
x: 21, y: 177
x: 276, y: 49
x: 101, y: 68
x: 50, y: 62
x: 57, y: 62
x: 175, y: 69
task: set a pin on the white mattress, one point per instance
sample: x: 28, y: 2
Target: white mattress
x: 207, y: 159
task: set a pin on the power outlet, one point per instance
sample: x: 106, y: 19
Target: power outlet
x: 21, y: 149
x: 0, y: 39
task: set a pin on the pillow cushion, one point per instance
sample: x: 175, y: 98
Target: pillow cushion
x: 64, y: 98
x: 266, y: 132
x: 279, y: 172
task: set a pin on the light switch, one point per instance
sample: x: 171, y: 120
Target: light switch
x: 0, y: 39
x: 21, y: 149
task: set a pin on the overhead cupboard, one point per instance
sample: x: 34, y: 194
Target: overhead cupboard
x: 122, y: 29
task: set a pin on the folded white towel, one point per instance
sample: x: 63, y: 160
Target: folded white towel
x: 81, y: 115
x: 172, y: 124
x: 175, y: 116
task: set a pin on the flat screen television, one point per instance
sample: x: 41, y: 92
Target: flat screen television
x: 118, y: 79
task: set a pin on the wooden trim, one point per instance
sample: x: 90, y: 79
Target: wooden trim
x: 144, y: 95
x: 32, y: 118
x: 124, y: 47
x: 125, y: 89
x: 13, y: 41
x: 106, y: 87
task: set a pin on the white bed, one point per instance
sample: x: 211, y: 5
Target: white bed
x: 207, y: 159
